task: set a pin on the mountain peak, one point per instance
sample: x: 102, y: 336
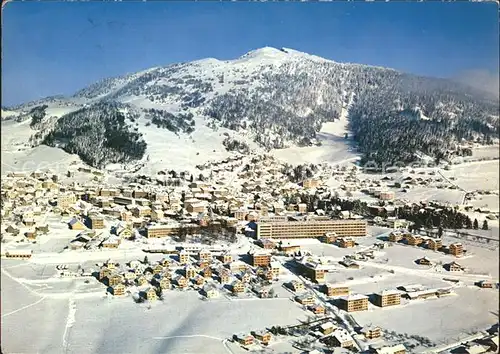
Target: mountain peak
x: 264, y: 52
x: 282, y: 53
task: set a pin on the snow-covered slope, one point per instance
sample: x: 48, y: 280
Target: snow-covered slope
x: 269, y: 98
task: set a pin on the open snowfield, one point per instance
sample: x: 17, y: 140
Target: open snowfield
x: 482, y: 175
x: 480, y: 152
x: 490, y: 202
x: 442, y: 319
x: 31, y: 323
x: 334, y: 148
x: 167, y: 150
x: 415, y: 195
x: 18, y: 156
x: 125, y: 327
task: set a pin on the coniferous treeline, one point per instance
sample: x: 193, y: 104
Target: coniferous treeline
x: 98, y: 134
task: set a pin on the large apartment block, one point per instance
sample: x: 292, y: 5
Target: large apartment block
x: 354, y: 303
x: 387, y: 298
x: 312, y: 270
x: 155, y: 231
x: 336, y: 290
x: 310, y: 229
x: 260, y: 259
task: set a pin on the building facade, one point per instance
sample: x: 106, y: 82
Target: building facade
x: 311, y: 229
x: 353, y: 303
x: 387, y: 298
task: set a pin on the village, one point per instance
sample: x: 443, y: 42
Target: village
x: 254, y: 229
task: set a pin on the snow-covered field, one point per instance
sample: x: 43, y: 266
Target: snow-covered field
x: 490, y: 202
x: 125, y: 327
x: 31, y: 323
x: 472, y: 176
x: 442, y: 319
x: 167, y: 150
x: 416, y: 195
x: 334, y: 148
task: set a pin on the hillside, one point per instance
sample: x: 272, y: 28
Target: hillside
x: 267, y: 99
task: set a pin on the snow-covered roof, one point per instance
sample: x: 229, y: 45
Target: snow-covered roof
x: 353, y: 297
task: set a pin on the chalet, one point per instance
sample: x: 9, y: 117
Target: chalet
x: 395, y: 349
x: 424, y: 261
x: 141, y: 280
x: 151, y: 294
x: 317, y: 309
x: 205, y: 255
x: 76, y: 224
x: 29, y: 222
x: 296, y: 285
x: 129, y: 275
x: 104, y: 272
x: 237, y: 266
x: 206, y: 272
x: 157, y: 269
x: 434, y: 244
x: 111, y: 242
x: 12, y: 230
x: 306, y: 299
x: 237, y: 287
x: 224, y: 277
x: 262, y: 336
x: 165, y: 283
x: 371, y: 332
x: 180, y: 281
x: 266, y: 244
x: 485, y: 284
x: 198, y: 280
x: 244, y: 339
x: 114, y: 279
x: 225, y: 257
x: 183, y: 257
x: 124, y: 232
x: 349, y: 264
x: 190, y: 271
x: 42, y: 228
x: 30, y: 234
x: 453, y: 267
x: 395, y: 236
x: 327, y: 328
x: 262, y: 292
x: 275, y: 268
x: 414, y: 240
x: 118, y: 289
x: 210, y: 291
x: 342, y: 338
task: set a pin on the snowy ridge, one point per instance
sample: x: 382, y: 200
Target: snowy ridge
x: 268, y: 98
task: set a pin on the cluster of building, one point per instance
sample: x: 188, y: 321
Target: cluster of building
x: 204, y: 272
x: 435, y: 244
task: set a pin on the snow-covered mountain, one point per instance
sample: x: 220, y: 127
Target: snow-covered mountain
x: 266, y: 99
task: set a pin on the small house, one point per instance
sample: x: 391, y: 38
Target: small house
x: 454, y: 267
x: 237, y: 287
x: 263, y: 336
x: 118, y: 289
x: 244, y: 339
x: 151, y: 294
x: 424, y: 261
x: 210, y: 291
x: 327, y: 328
x: 76, y: 224
x: 305, y: 299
